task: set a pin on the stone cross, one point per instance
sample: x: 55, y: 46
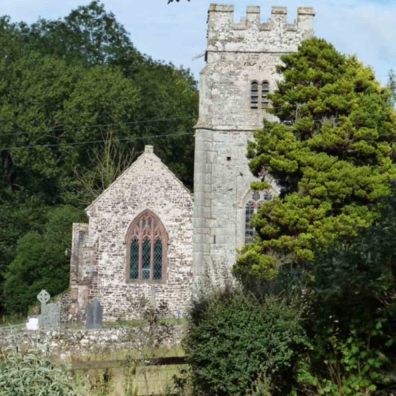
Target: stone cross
x: 50, y: 313
x: 43, y: 297
x: 94, y: 315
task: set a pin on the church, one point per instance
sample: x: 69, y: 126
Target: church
x: 148, y: 236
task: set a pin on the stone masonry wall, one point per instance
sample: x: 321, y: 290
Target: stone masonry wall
x: 65, y: 343
x: 237, y: 54
x: 147, y: 184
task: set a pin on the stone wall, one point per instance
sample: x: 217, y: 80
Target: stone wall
x: 237, y: 54
x: 66, y: 343
x: 99, y: 257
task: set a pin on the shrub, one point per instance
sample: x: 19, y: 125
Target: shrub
x: 234, y: 341
x: 31, y: 375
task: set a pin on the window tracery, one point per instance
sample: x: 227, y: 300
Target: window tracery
x: 147, y: 242
x: 257, y: 198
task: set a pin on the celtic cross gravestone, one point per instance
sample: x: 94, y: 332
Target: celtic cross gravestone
x: 50, y: 313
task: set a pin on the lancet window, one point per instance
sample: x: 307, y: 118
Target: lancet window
x: 147, y: 244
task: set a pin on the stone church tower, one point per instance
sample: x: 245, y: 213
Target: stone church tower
x: 144, y: 239
x: 240, y: 72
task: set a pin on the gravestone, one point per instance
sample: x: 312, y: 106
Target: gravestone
x: 43, y: 297
x: 50, y: 317
x: 94, y: 315
x: 50, y: 313
x: 32, y: 324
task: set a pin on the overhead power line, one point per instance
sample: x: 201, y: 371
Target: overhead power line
x: 65, y: 129
x: 131, y: 139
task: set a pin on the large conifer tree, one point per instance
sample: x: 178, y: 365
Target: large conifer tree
x: 332, y: 153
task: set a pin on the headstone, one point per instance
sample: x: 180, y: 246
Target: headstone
x: 153, y: 297
x: 50, y: 313
x: 50, y: 317
x: 94, y: 315
x: 32, y: 324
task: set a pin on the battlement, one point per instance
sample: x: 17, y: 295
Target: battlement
x: 224, y: 33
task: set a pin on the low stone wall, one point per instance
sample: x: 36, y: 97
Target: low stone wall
x: 64, y: 343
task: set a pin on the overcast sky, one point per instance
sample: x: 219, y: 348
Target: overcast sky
x: 177, y: 32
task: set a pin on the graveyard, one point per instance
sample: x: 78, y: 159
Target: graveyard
x: 142, y: 356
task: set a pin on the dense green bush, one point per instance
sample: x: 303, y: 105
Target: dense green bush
x: 235, y: 341
x: 351, y: 291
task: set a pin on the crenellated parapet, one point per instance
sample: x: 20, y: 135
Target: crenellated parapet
x: 252, y: 35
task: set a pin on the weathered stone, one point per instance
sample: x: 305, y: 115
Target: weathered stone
x: 238, y: 53
x: 43, y: 297
x: 50, y: 316
x: 99, y: 250
x: 64, y: 342
x: 94, y: 315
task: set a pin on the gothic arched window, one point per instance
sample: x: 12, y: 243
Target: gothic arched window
x: 254, y: 94
x: 256, y: 200
x: 147, y: 243
x: 264, y: 94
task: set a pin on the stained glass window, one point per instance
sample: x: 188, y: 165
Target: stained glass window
x: 158, y: 259
x: 146, y: 258
x: 147, y: 241
x: 134, y: 262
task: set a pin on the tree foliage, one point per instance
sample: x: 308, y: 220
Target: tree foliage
x: 235, y: 341
x: 41, y: 261
x: 332, y: 153
x: 78, y: 103
x: 351, y: 293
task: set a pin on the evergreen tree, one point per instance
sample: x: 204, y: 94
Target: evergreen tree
x: 392, y: 87
x: 332, y: 154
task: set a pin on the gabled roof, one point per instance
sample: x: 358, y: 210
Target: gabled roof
x: 147, y: 154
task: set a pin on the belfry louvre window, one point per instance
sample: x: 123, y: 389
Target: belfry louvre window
x: 264, y: 94
x: 254, y: 94
x: 147, y: 243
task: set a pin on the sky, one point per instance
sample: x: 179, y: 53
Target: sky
x: 177, y: 32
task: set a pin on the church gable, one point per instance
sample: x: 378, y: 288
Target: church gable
x: 145, y: 175
x: 140, y: 236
